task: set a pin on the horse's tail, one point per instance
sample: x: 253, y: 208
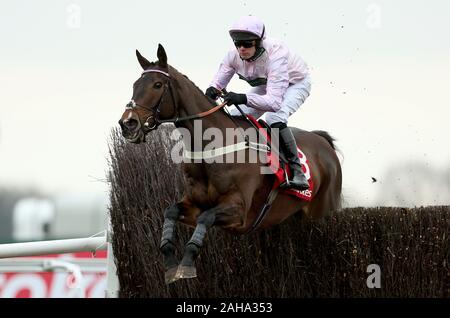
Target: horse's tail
x: 331, y: 140
x: 327, y: 136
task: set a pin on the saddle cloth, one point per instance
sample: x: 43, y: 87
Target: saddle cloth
x: 280, y: 169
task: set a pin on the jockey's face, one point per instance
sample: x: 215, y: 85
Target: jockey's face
x: 246, y: 52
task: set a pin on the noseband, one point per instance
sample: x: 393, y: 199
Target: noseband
x: 154, y: 111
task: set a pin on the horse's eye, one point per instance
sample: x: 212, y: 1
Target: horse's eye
x: 157, y: 85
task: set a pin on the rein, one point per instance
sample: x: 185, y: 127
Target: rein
x: 155, y: 110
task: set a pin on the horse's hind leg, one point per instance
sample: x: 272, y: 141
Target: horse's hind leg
x: 325, y: 202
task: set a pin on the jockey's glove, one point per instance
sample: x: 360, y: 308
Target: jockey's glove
x: 212, y: 93
x: 235, y: 99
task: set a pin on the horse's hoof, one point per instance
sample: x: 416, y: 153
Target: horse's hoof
x: 171, y: 275
x: 186, y: 272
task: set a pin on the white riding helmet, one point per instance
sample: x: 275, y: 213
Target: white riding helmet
x: 247, y: 28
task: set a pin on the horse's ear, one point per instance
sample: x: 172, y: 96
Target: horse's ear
x: 142, y: 60
x: 162, y: 56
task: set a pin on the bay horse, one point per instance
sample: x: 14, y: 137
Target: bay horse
x: 227, y: 195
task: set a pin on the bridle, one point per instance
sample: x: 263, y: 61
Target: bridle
x: 155, y: 110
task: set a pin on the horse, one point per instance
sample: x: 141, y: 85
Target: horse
x: 226, y: 195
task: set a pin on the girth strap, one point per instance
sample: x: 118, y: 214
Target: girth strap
x: 209, y: 154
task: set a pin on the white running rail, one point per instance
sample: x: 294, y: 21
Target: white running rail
x: 88, y: 244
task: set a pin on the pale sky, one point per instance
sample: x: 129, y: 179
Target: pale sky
x: 380, y: 73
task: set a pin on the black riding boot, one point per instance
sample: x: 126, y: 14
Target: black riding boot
x: 289, y: 145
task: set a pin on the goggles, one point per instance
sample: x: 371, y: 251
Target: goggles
x: 247, y: 44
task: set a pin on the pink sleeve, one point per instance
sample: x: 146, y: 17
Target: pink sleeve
x: 277, y: 83
x: 225, y: 73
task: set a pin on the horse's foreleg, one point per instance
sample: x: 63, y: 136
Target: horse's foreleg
x: 167, y: 245
x: 204, y: 222
x: 187, y: 266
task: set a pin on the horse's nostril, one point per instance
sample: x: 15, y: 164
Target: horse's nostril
x: 130, y: 123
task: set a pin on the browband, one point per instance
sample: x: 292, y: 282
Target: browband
x: 156, y: 71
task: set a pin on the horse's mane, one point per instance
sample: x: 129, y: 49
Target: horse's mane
x: 193, y: 84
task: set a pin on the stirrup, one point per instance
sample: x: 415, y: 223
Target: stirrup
x: 287, y: 183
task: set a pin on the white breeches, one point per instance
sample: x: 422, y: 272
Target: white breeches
x: 294, y: 97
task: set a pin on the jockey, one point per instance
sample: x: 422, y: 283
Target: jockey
x: 280, y: 84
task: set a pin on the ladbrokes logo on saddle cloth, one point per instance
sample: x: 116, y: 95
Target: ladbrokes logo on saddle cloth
x: 279, y: 170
